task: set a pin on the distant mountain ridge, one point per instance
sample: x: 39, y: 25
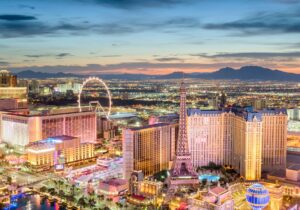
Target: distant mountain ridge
x: 244, y: 73
x: 42, y: 75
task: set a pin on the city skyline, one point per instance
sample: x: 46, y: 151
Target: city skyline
x: 151, y: 37
x: 162, y: 146
x: 150, y: 104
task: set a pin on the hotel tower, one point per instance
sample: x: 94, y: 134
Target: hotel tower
x: 149, y: 148
x: 250, y: 141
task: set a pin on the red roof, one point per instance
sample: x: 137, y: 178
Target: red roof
x: 218, y: 190
x: 138, y: 197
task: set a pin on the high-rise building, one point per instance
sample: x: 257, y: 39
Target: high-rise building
x: 9, y: 89
x: 223, y: 99
x: 293, y: 120
x: 20, y: 129
x: 34, y: 87
x: 247, y: 144
x: 294, y: 114
x: 214, y: 102
x: 7, y: 79
x: 218, y: 101
x: 182, y: 171
x: 274, y: 140
x: 75, y: 87
x: 105, y: 128
x: 210, y: 136
x: 259, y: 104
x: 149, y: 149
x: 250, y: 141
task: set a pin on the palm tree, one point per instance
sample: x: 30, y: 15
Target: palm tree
x: 58, y: 184
x: 2, y: 205
x: 92, y: 194
x: 92, y: 202
x: 61, y: 193
x: 51, y: 191
x: 81, y: 202
x: 9, y: 180
x: 101, y: 197
x: 43, y: 189
x: 73, y: 188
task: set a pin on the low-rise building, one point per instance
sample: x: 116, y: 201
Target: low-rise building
x: 293, y: 173
x: 216, y: 198
x: 113, y: 188
x: 149, y: 188
x: 59, y: 151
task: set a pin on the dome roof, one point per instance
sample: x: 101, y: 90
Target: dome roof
x: 257, y: 196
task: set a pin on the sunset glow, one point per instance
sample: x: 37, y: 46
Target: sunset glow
x: 150, y: 37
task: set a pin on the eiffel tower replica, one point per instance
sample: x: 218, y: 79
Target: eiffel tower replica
x: 182, y: 172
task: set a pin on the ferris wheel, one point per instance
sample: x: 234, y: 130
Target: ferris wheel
x: 98, y: 107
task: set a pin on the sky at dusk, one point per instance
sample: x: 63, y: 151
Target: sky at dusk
x: 148, y: 36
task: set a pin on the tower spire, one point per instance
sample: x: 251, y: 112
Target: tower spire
x: 182, y: 171
x: 182, y: 144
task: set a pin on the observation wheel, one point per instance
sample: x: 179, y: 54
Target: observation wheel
x: 99, y: 108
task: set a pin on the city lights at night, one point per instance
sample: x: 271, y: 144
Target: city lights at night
x: 149, y: 104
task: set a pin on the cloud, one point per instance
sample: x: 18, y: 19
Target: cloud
x: 33, y: 27
x: 261, y: 23
x: 60, y: 55
x: 4, y: 63
x: 37, y: 55
x: 24, y: 6
x: 110, y: 56
x: 28, y: 60
x: 22, y: 29
x: 137, y: 4
x: 16, y: 17
x: 168, y: 59
x: 255, y: 55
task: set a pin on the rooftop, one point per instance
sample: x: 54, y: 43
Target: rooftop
x: 274, y: 111
x: 48, y: 144
x: 245, y: 112
x: 199, y: 112
x: 114, y: 182
x: 122, y: 115
x: 218, y: 190
x: 138, y: 197
x: 45, y: 113
x: 294, y: 167
x: 150, y: 126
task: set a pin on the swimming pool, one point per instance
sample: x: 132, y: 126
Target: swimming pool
x: 209, y: 177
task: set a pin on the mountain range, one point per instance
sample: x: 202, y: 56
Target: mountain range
x: 257, y: 73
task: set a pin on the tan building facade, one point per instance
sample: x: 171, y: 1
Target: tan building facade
x: 247, y: 146
x: 250, y: 141
x: 274, y: 139
x: 58, y: 151
x: 149, y: 148
x: 7, y: 79
x: 210, y: 137
x: 9, y: 90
